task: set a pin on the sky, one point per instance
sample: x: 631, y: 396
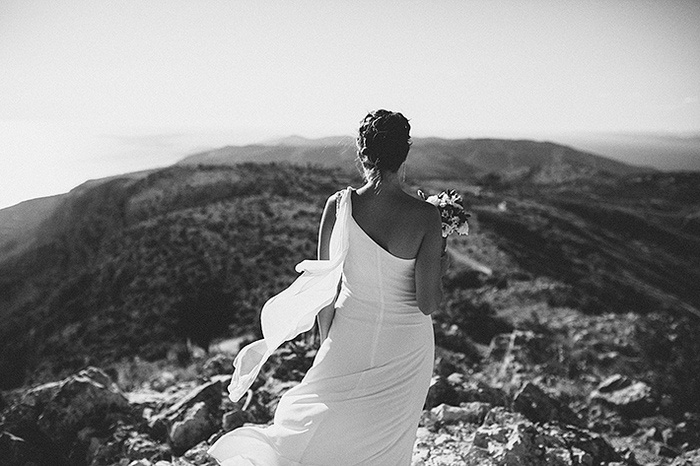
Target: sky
x: 92, y: 88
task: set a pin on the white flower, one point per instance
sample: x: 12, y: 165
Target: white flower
x: 452, y: 213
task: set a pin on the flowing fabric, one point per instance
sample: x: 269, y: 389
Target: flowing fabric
x: 293, y: 311
x: 360, y: 402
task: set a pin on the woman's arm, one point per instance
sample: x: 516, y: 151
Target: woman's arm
x: 325, y: 317
x: 429, y: 264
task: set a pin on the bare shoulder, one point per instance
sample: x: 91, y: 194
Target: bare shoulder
x: 425, y: 213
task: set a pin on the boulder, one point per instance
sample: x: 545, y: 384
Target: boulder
x: 684, y: 435
x: 39, y: 396
x: 88, y: 398
x: 441, y: 392
x: 537, y: 406
x: 234, y: 419
x: 140, y: 463
x: 472, y: 413
x: 217, y: 365
x: 196, y: 425
x: 292, y: 361
x: 272, y: 391
x: 197, y: 455
x: 127, y: 444
x: 631, y: 398
x: 15, y: 451
x: 83, y: 419
x: 504, y: 345
x: 689, y: 458
x: 141, y: 446
x: 192, y: 419
x: 508, y: 438
x: 469, y: 390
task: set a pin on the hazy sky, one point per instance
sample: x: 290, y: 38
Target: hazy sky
x: 93, y: 88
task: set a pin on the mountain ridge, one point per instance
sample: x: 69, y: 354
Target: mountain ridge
x: 430, y: 157
x: 503, y: 160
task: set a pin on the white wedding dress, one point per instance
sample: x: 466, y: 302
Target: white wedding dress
x: 361, y: 401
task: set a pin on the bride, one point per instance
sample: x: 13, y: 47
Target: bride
x: 372, y: 290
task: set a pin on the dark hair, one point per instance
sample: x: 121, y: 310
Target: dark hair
x: 383, y: 142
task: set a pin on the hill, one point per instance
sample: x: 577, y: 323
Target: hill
x: 124, y: 267
x: 434, y: 158
x: 476, y: 160
x: 137, y: 265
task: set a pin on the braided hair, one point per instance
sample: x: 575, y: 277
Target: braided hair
x: 383, y: 142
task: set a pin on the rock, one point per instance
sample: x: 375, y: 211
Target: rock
x: 664, y: 450
x: 16, y: 451
x: 140, y: 463
x: 684, y: 435
x: 472, y: 413
x: 441, y: 392
x: 198, y: 456
x: 234, y: 419
x: 580, y: 442
x: 614, y: 383
x: 504, y: 345
x: 456, y: 379
x: 537, y: 406
x: 272, y: 391
x: 508, y: 438
x: 192, y: 419
x: 470, y: 390
x: 141, y: 446
x: 197, y: 424
x: 630, y: 398
x: 510, y: 442
x: 163, y: 381
x: 219, y: 364
x: 689, y: 458
x: 39, y: 396
x: 605, y: 420
x: 291, y: 361
x: 127, y: 444
x: 88, y: 400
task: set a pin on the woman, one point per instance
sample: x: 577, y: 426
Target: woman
x: 375, y: 283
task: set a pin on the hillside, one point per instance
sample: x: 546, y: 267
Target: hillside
x: 561, y: 285
x: 434, y: 158
x: 135, y: 265
x: 129, y: 264
x: 483, y: 160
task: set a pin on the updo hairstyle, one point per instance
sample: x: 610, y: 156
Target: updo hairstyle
x: 383, y: 142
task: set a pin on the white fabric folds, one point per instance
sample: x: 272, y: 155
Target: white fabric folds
x: 293, y: 311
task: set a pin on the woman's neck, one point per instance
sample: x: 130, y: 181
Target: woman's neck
x: 387, y: 184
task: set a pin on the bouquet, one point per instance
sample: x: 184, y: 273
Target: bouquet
x: 452, y: 213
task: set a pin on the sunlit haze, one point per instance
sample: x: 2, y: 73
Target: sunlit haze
x: 94, y: 88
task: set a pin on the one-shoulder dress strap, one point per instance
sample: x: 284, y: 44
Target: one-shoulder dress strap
x: 293, y: 311
x: 338, y: 197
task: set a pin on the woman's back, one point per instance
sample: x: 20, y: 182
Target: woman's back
x: 394, y: 220
x: 406, y: 227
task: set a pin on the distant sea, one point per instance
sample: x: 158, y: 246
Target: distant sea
x: 44, y: 159
x: 664, y: 151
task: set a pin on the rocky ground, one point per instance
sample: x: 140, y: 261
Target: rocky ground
x: 496, y: 413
